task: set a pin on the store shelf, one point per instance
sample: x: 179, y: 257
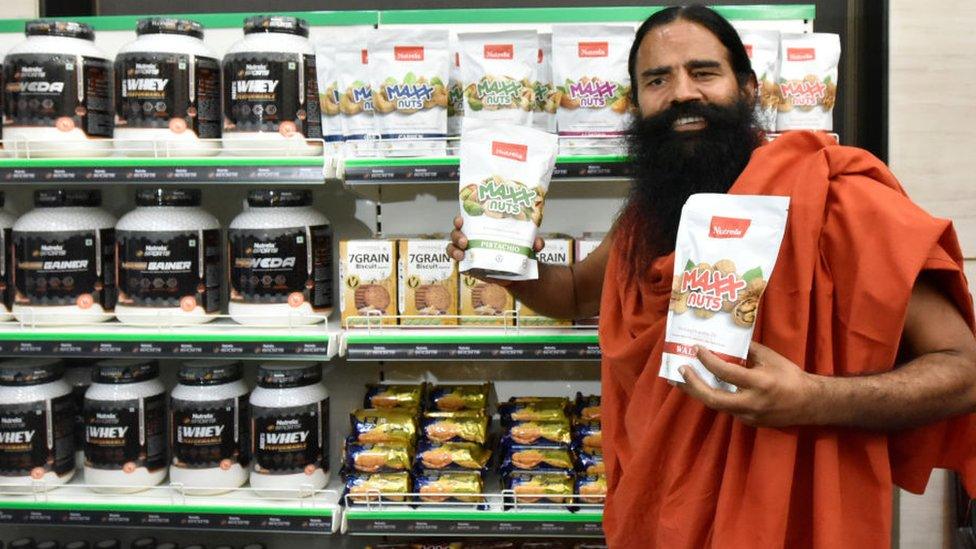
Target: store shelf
x: 167, y: 507
x: 219, y: 339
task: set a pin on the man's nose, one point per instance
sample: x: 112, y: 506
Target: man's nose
x: 685, y: 89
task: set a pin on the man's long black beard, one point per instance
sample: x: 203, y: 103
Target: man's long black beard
x: 670, y: 166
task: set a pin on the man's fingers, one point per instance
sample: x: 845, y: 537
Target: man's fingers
x: 715, y: 399
x: 458, y: 222
x: 456, y: 253
x: 759, y: 354
x: 539, y: 244
x: 459, y: 240
x: 731, y: 373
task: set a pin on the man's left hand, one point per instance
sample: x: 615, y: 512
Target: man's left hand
x: 773, y: 391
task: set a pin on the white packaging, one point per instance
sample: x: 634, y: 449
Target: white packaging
x: 455, y: 97
x: 36, y: 420
x: 209, y: 427
x: 546, y: 100
x: 504, y: 177
x: 726, y: 248
x: 63, y: 259
x: 355, y: 96
x: 7, y: 221
x: 589, y: 69
x: 168, y: 258
x: 280, y: 260
x: 271, y: 96
x: 807, y: 81
x: 762, y: 46
x: 409, y: 71
x: 57, y: 93
x: 125, y: 427
x: 167, y: 91
x: 290, y: 426
x: 328, y: 75
x: 498, y: 70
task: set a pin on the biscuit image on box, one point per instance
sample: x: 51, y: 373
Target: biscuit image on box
x: 484, y: 304
x: 368, y: 283
x: 372, y: 297
x: 433, y: 299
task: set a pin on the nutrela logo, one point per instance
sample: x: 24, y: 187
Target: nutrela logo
x: 594, y: 49
x: 801, y: 54
x: 364, y: 57
x: 728, y: 227
x: 408, y: 53
x: 512, y: 151
x: 499, y: 51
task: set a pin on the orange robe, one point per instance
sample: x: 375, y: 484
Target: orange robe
x: 683, y: 476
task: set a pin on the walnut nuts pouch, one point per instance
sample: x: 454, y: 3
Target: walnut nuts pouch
x: 498, y: 70
x: 807, y: 81
x: 762, y: 46
x: 725, y: 252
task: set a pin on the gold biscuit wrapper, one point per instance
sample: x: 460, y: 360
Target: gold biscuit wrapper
x: 459, y: 414
x: 547, y: 401
x: 365, y: 487
x: 533, y: 432
x: 437, y: 486
x: 388, y: 397
x: 473, y: 429
x: 554, y: 487
x: 373, y: 458
x: 592, y: 489
x: 533, y: 411
x: 451, y: 398
x: 533, y: 457
x: 466, y: 455
x: 377, y: 426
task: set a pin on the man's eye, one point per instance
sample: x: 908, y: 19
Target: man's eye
x: 705, y: 74
x: 655, y: 82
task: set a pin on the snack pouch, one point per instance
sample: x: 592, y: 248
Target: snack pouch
x: 725, y: 252
x: 409, y: 75
x: 589, y: 68
x: 328, y: 77
x: 389, y: 396
x: 504, y: 177
x: 355, y: 96
x: 451, y: 456
x: 544, y: 109
x: 455, y: 98
x: 377, y: 458
x: 443, y: 486
x: 374, y: 487
x: 536, y: 486
x: 376, y: 426
x: 498, y: 70
x: 762, y: 46
x: 807, y: 81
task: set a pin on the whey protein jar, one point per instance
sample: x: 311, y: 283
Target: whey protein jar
x: 125, y: 427
x: 168, y: 256
x: 6, y: 263
x: 36, y: 420
x: 290, y: 426
x: 78, y: 375
x: 280, y: 255
x: 209, y: 427
x: 64, y: 253
x: 57, y: 98
x: 271, y: 97
x: 167, y: 91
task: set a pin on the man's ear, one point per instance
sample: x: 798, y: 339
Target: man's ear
x: 750, y: 87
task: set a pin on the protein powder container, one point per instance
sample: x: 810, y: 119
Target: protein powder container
x: 280, y: 260
x: 167, y: 91
x: 6, y: 263
x: 64, y: 254
x: 209, y: 427
x: 168, y: 252
x: 78, y: 375
x: 125, y: 427
x: 290, y: 425
x: 37, y: 414
x: 57, y: 98
x: 271, y: 97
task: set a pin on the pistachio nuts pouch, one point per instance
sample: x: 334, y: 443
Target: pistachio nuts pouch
x: 505, y: 171
x: 355, y: 97
x: 807, y: 81
x: 328, y: 78
x: 589, y: 67
x: 455, y: 98
x: 409, y: 71
x: 726, y: 248
x: 762, y: 46
x: 544, y: 110
x: 498, y: 70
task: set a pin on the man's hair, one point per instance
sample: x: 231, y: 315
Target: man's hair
x: 706, y: 17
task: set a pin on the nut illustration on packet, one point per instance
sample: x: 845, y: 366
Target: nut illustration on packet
x: 505, y: 171
x: 725, y: 252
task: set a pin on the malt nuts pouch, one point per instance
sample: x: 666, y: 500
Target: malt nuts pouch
x: 355, y: 97
x: 725, y: 252
x: 455, y: 97
x: 409, y: 74
x: 762, y: 46
x: 498, y: 70
x: 589, y: 68
x: 327, y: 72
x: 544, y: 109
x: 807, y: 81
x: 504, y: 177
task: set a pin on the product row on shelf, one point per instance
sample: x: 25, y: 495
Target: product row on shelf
x: 112, y: 543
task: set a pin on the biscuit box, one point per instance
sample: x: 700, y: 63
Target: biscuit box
x: 368, y: 283
x: 584, y: 247
x: 427, y: 283
x: 484, y: 304
x: 558, y: 251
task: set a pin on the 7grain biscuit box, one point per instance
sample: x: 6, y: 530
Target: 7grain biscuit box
x: 558, y: 251
x: 367, y: 270
x: 428, y: 282
x: 484, y: 304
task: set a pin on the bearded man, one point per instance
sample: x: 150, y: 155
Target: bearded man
x: 862, y: 373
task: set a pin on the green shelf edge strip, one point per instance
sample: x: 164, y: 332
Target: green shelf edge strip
x: 584, y: 15
x: 461, y: 339
x: 156, y: 337
x: 182, y: 162
x: 454, y: 161
x: 209, y: 20
x: 149, y: 508
x: 474, y: 516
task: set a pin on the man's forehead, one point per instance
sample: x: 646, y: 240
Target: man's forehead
x: 677, y: 43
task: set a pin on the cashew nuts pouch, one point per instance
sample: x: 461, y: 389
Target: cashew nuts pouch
x: 327, y: 71
x: 544, y: 110
x: 355, y: 96
x: 762, y: 46
x: 589, y: 69
x: 807, y: 81
x: 409, y: 71
x: 724, y: 255
x: 505, y: 171
x: 498, y: 70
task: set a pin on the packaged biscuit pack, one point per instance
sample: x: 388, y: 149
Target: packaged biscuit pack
x: 427, y: 282
x: 807, y: 81
x: 376, y: 426
x: 328, y: 77
x: 377, y: 457
x: 589, y: 461
x: 373, y: 487
x: 453, y: 398
x: 445, y: 486
x: 368, y: 275
x: 591, y: 488
x: 546, y: 101
x: 395, y: 396
x: 587, y: 407
x: 484, y: 303
x: 584, y: 246
x: 589, y: 67
x: 355, y: 95
x: 451, y: 456
x: 535, y: 409
x: 455, y: 97
x: 725, y: 252
x: 537, y: 433
x: 504, y: 177
x: 762, y: 46
x: 587, y: 434
x: 557, y: 251
x: 460, y: 426
x: 537, y: 458
x: 498, y: 70
x: 540, y: 486
x: 409, y: 71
